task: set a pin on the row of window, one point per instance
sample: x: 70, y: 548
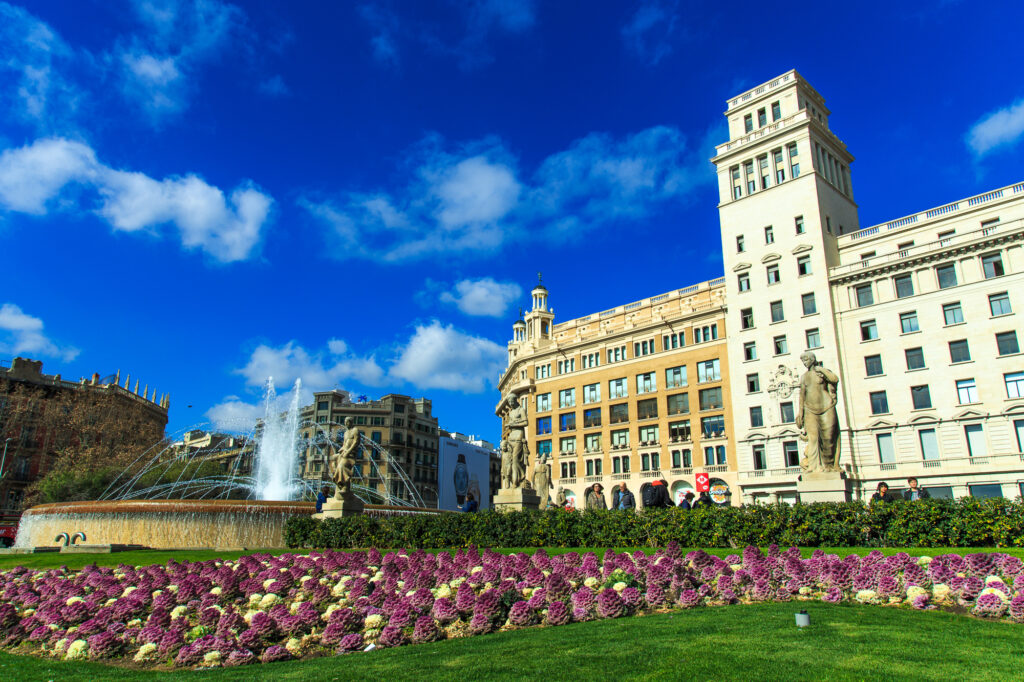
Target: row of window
x: 959, y: 351
x: 833, y: 170
x: 714, y: 455
x: 761, y: 172
x: 769, y: 234
x: 780, y: 344
x: 966, y: 392
x: 808, y: 304
x: 647, y: 382
x: 974, y: 438
x: 945, y: 278
x: 648, y: 436
x: 710, y: 399
x: 762, y: 117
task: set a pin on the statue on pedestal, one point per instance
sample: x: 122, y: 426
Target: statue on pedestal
x: 506, y: 464
x: 515, y: 423
x: 817, y: 417
x: 343, y: 461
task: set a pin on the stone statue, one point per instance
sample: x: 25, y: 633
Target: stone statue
x: 541, y: 479
x: 516, y: 422
x: 343, y: 461
x: 560, y: 499
x: 506, y: 464
x: 817, y: 417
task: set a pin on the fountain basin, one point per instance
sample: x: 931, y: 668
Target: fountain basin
x: 172, y: 524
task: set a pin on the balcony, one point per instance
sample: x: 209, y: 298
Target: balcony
x: 621, y: 477
x: 567, y: 481
x: 593, y: 479
x: 686, y: 471
x: 650, y: 474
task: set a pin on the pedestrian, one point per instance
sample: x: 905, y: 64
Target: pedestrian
x: 882, y: 494
x: 703, y: 501
x: 321, y: 497
x: 687, y: 501
x: 914, y: 492
x: 657, y: 495
x: 470, y: 505
x: 625, y: 498
x: 595, y: 498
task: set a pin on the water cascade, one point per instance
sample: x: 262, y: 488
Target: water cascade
x: 277, y: 446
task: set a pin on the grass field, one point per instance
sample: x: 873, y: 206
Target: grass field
x: 753, y: 642
x: 145, y: 557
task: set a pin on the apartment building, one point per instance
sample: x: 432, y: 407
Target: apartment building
x: 404, y: 429
x: 919, y: 317
x: 630, y: 394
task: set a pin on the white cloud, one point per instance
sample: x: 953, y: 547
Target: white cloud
x: 234, y: 414
x: 21, y: 333
x: 159, y: 66
x: 227, y: 228
x: 439, y: 356
x: 318, y: 371
x: 1001, y: 128
x: 484, y: 297
x: 33, y: 59
x: 649, y: 31
x: 474, y: 200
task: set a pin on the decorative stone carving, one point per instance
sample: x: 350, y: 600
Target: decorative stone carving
x: 817, y: 417
x: 343, y: 460
x: 514, y: 414
x: 782, y: 382
x: 541, y: 478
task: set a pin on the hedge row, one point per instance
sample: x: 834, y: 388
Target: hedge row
x: 966, y: 522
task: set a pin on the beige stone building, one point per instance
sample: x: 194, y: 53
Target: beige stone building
x: 630, y: 394
x: 403, y: 428
x: 919, y: 317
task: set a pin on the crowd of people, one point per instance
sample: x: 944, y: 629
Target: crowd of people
x: 655, y: 494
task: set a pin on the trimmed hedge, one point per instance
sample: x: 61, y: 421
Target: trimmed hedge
x: 967, y: 522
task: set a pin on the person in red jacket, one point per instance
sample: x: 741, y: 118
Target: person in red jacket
x: 657, y: 495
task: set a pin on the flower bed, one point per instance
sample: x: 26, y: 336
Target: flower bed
x: 263, y: 609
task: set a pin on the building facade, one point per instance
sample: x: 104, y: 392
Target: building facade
x: 43, y: 418
x: 628, y: 395
x: 400, y: 425
x: 931, y: 299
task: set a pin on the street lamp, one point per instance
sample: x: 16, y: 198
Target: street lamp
x: 4, y: 459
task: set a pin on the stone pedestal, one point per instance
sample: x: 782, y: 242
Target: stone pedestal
x: 332, y: 508
x: 510, y: 499
x: 830, y: 486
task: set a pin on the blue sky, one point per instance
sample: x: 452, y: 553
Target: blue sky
x: 361, y: 194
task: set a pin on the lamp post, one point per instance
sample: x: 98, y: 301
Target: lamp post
x: 4, y: 459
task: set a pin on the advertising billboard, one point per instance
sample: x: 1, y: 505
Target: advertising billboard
x: 463, y: 468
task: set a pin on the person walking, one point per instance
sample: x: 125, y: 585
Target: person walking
x: 687, y: 501
x: 470, y: 505
x: 595, y: 498
x: 625, y: 499
x: 321, y: 497
x: 657, y: 495
x: 703, y: 501
x: 914, y: 492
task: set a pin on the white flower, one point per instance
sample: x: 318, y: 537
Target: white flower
x: 940, y: 592
x: 923, y: 560
x: 996, y: 591
x: 338, y: 590
x: 528, y: 592
x: 293, y: 645
x: 78, y: 650
x: 178, y: 611
x: 989, y: 579
x: 211, y: 659
x: 172, y: 588
x: 410, y: 593
x: 590, y: 582
x: 255, y: 598
x: 134, y: 623
x: 915, y: 591
x: 128, y: 590
x: 619, y: 586
x: 217, y: 591
x: 805, y: 590
x: 109, y: 602
x: 458, y: 581
x: 476, y: 569
x: 157, y: 593
x: 268, y: 582
x: 249, y: 614
x: 304, y: 578
x: 374, y: 621
x: 146, y: 652
x: 72, y: 600
x: 865, y: 596
x: 895, y: 600
x: 330, y: 609
x: 269, y: 600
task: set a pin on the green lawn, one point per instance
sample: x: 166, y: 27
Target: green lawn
x: 741, y: 642
x: 145, y: 557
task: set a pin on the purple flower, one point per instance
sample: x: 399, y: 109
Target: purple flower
x: 391, y: 636
x: 609, y: 604
x: 1016, y: 610
x: 349, y: 643
x: 520, y: 614
x: 401, y: 617
x: 632, y: 598
x: 239, y: 657
x: 480, y: 624
x: 655, y: 596
x: 263, y: 625
x: 972, y: 585
x: 465, y: 598
x: 170, y: 643
x: 689, y: 599
x: 425, y: 630
x: 989, y: 605
x: 190, y: 654
x: 275, y: 653
x: 250, y: 639
x: 558, y: 613
x: 920, y: 601
x: 833, y: 595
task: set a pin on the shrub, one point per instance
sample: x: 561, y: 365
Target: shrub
x: 926, y: 523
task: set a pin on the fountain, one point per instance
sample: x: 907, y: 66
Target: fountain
x: 153, y: 504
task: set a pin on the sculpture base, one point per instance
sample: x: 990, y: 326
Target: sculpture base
x: 512, y: 499
x: 334, y: 508
x: 826, y: 486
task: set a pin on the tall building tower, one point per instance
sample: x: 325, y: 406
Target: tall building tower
x: 785, y: 197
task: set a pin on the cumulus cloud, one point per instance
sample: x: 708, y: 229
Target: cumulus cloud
x: 228, y: 228
x: 318, y: 371
x: 482, y: 297
x: 474, y: 199
x: 1001, y: 128
x: 649, y: 32
x: 439, y: 356
x: 235, y: 414
x: 22, y: 334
